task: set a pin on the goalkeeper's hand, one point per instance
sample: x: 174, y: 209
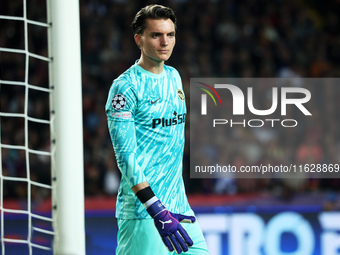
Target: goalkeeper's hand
x: 168, y: 225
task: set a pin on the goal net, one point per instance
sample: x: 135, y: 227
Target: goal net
x: 41, y: 171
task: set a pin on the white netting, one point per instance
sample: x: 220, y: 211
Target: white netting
x: 26, y: 153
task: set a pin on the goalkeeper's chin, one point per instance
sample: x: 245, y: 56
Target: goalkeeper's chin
x: 164, y: 56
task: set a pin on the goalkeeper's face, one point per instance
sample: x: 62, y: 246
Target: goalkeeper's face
x: 157, y: 40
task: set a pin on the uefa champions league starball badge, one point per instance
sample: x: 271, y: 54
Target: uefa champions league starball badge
x: 118, y: 102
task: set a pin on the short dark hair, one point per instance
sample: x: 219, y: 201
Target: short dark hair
x: 153, y: 11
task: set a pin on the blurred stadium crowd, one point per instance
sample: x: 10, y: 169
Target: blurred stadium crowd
x: 215, y: 38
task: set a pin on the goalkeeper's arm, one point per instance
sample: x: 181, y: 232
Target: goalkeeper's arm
x: 168, y: 224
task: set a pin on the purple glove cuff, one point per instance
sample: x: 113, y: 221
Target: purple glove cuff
x: 156, y: 208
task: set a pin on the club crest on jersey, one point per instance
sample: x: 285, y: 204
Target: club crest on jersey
x: 118, y: 102
x: 180, y: 94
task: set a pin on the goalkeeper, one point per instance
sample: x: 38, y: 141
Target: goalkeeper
x: 146, y: 114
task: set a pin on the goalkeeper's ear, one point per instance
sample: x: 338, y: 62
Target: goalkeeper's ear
x: 138, y: 40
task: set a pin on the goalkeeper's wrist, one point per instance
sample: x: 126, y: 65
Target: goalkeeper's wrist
x: 152, y: 204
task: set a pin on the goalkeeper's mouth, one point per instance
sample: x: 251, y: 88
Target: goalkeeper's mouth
x: 163, y: 51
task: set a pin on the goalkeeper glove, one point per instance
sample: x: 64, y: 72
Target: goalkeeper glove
x: 168, y: 225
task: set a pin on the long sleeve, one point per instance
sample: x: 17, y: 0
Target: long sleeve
x: 120, y: 109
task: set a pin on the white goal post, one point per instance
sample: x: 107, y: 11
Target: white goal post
x: 69, y: 170
x: 64, y: 89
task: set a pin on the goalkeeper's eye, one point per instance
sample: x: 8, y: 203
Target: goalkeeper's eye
x: 155, y: 35
x: 171, y: 35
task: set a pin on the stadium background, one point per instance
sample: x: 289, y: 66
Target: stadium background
x: 214, y: 39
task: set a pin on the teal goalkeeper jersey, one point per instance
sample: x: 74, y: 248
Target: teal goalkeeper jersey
x: 146, y: 118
